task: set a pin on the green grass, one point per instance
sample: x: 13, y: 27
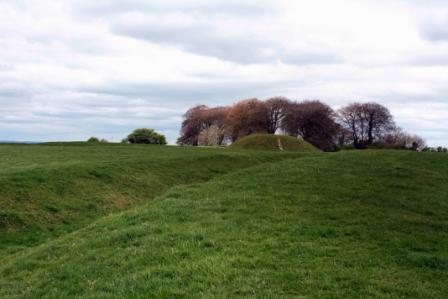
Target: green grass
x: 270, y: 142
x: 370, y: 224
x: 49, y: 190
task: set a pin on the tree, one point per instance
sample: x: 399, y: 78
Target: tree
x: 315, y: 122
x: 215, y: 123
x: 247, y: 117
x: 418, y: 143
x: 200, y: 118
x: 93, y: 139
x: 349, y: 118
x: 379, y: 120
x: 192, y: 125
x: 366, y: 122
x: 146, y: 136
x: 211, y: 136
x: 398, y: 138
x: 276, y: 108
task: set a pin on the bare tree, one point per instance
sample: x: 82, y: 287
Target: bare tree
x: 314, y: 121
x: 276, y: 108
x: 351, y: 119
x: 211, y: 136
x: 397, y: 138
x: 379, y: 121
x: 418, y: 143
x: 216, y: 117
x: 366, y: 122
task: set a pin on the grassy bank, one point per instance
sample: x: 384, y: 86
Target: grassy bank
x: 271, y: 142
x: 49, y: 190
x: 343, y: 225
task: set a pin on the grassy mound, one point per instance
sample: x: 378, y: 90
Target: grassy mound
x: 341, y: 225
x: 272, y: 142
x: 49, y: 190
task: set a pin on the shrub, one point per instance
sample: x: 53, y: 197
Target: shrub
x: 146, y: 136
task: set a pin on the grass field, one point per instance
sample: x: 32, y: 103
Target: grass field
x: 217, y: 223
x: 49, y: 190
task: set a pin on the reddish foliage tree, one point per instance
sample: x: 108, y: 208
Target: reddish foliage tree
x: 200, y: 118
x: 192, y: 125
x: 315, y: 122
x: 247, y: 117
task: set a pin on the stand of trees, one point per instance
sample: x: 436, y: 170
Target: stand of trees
x: 359, y: 125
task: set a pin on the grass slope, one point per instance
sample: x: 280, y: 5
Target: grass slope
x: 272, y: 142
x: 342, y: 225
x: 48, y: 190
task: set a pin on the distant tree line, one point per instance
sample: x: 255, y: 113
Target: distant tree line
x: 357, y: 125
x: 138, y: 136
x: 439, y: 149
x: 94, y: 139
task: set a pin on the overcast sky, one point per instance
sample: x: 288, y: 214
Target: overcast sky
x: 74, y: 69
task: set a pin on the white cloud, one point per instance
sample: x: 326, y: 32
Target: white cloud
x: 71, y: 69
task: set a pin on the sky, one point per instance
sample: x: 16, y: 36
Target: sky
x: 74, y: 69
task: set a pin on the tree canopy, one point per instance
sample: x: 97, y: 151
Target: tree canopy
x: 146, y: 136
x: 360, y: 125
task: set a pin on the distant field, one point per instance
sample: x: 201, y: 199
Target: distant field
x: 216, y: 223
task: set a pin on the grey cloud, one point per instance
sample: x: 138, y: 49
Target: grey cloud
x: 435, y: 30
x: 106, y: 8
x: 203, y: 39
x: 11, y: 93
x: 202, y: 36
x: 185, y: 94
x: 84, y: 45
x: 304, y: 58
x: 68, y: 119
x: 429, y: 60
x: 118, y: 107
x: 13, y: 90
x: 6, y: 67
x: 200, y: 39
